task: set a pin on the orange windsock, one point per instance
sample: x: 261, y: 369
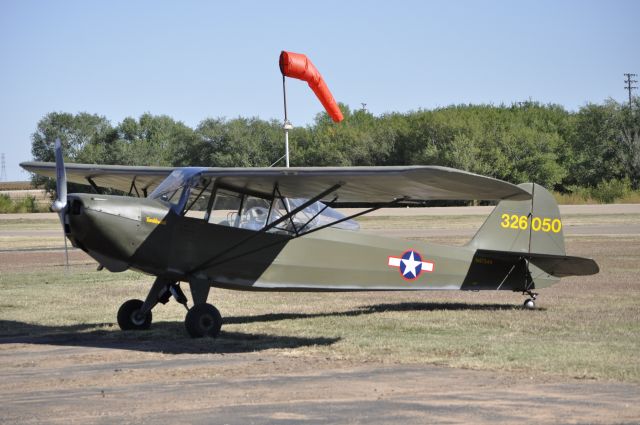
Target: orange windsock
x: 297, y: 65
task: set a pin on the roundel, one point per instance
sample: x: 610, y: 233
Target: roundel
x: 410, y: 264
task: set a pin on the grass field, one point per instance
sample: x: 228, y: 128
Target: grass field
x: 586, y: 328
x: 29, y: 223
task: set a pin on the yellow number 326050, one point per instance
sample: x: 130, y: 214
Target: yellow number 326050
x: 521, y: 222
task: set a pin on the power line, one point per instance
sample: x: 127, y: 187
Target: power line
x: 628, y: 81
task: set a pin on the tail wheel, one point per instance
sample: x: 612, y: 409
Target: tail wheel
x: 129, y: 317
x: 203, y: 320
x: 530, y: 304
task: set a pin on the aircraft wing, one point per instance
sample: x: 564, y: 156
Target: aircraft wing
x: 369, y: 184
x: 120, y: 177
x: 352, y: 184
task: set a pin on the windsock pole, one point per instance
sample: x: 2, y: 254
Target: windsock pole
x: 287, y: 125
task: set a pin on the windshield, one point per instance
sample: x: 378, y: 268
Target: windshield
x: 171, y: 189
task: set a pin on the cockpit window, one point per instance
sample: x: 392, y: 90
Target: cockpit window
x: 252, y: 212
x: 198, y: 198
x: 173, y: 189
x: 315, y: 215
x: 224, y: 210
x: 188, y: 192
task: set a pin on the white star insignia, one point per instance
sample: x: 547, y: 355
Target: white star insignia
x: 410, y: 265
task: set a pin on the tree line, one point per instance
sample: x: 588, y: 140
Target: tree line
x: 597, y: 146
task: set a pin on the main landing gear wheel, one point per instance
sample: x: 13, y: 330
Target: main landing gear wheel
x: 530, y: 304
x: 203, y: 320
x: 129, y: 317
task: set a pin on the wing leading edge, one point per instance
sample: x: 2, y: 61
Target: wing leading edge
x: 120, y: 177
x: 353, y: 184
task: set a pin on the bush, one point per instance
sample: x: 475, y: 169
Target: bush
x: 25, y: 205
x: 6, y: 205
x: 606, y: 192
x: 610, y: 191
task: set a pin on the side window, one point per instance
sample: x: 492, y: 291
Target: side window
x: 302, y: 220
x: 280, y: 210
x: 254, y: 213
x: 224, y: 210
x: 198, y: 200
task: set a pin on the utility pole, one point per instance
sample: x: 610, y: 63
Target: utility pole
x: 364, y: 107
x: 3, y: 172
x: 629, y: 84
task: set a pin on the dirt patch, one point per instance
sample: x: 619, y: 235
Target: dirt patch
x: 55, y: 383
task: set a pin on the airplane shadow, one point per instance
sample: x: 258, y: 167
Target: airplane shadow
x: 171, y: 338
x: 164, y: 337
x: 371, y: 309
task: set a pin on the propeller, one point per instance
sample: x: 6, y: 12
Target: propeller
x: 60, y: 204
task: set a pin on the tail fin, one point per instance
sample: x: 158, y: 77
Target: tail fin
x: 521, y: 246
x: 531, y: 226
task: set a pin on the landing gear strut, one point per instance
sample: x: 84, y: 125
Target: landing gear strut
x: 202, y: 319
x: 529, y: 304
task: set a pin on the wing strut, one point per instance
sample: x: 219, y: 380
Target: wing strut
x: 133, y: 187
x: 335, y: 198
x: 296, y: 210
x: 93, y: 185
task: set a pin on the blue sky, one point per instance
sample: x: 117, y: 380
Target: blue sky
x: 195, y: 59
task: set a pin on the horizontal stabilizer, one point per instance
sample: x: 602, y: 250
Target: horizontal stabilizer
x: 555, y: 265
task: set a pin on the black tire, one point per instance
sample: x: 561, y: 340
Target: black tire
x: 203, y: 320
x: 127, y: 319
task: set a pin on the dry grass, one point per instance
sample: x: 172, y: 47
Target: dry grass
x: 29, y: 224
x: 586, y: 327
x: 21, y: 242
x: 632, y: 197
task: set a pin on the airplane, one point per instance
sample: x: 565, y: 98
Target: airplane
x: 270, y: 229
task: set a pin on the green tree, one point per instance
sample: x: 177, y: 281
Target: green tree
x: 85, y: 137
x: 629, y: 138
x: 596, y: 152
x: 78, y: 134
x: 241, y: 142
x: 156, y: 140
x: 358, y: 140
